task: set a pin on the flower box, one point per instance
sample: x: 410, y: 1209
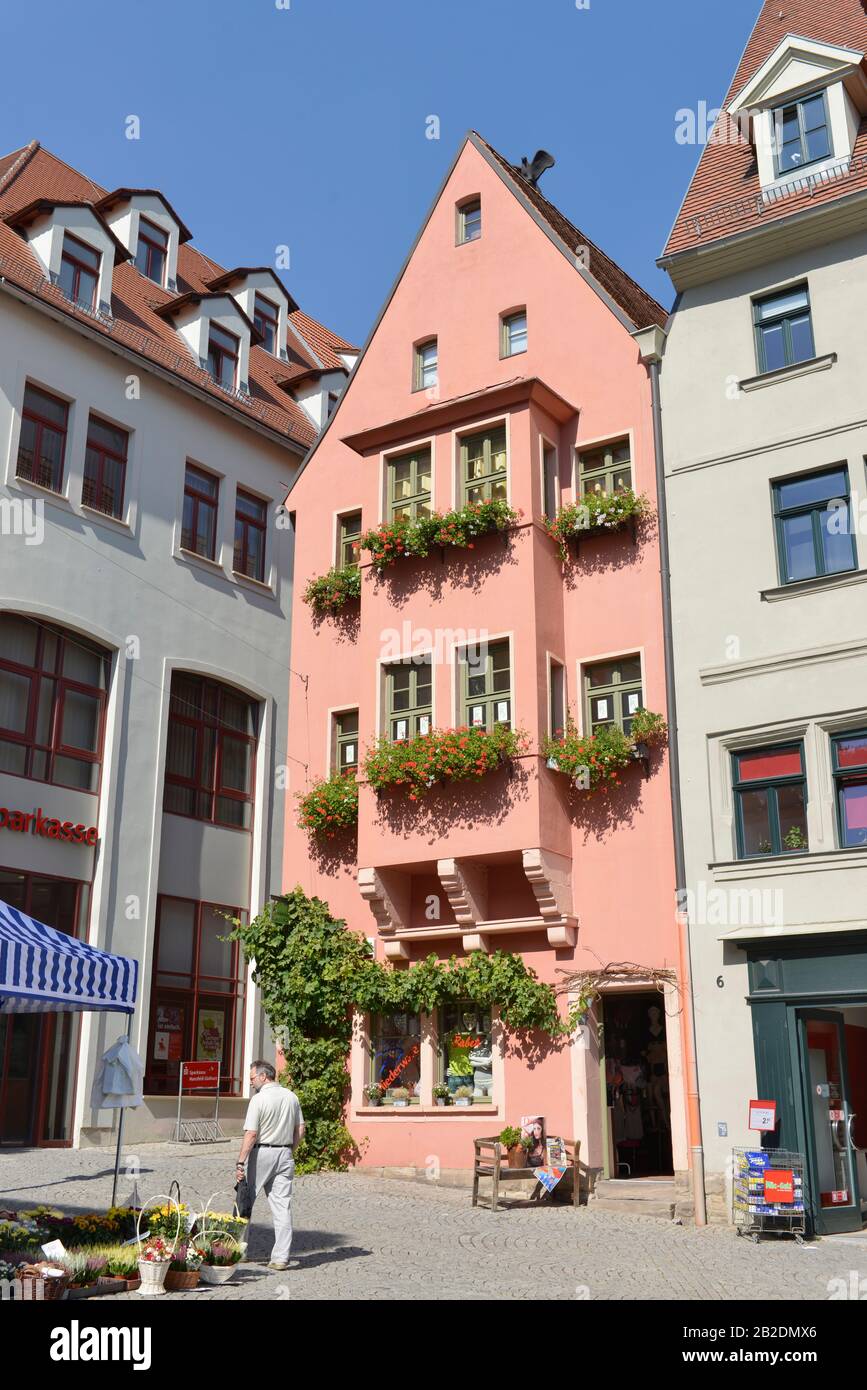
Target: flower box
x: 401, y: 540
x: 329, y: 806
x: 443, y: 755
x: 595, y: 513
x: 595, y: 762
x: 332, y: 591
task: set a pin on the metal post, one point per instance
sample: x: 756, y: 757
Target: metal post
x: 117, y: 1155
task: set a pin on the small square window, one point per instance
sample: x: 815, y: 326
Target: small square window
x: 514, y: 334
x: 606, y: 470
x: 470, y: 220
x: 426, y: 365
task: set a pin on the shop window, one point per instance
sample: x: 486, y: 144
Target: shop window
x: 409, y: 479
x: 395, y: 1055
x: 850, y: 781
x: 266, y: 318
x: 612, y: 693
x: 79, y: 272
x: 42, y: 442
x: 484, y: 466
x: 426, y: 368
x: 104, y: 467
x: 770, y: 791
x: 223, y: 353
x: 469, y: 220
x: 345, y: 745
x: 486, y: 680
x: 349, y: 535
x: 251, y: 522
x: 812, y: 515
x: 210, y: 753
x: 606, y: 470
x: 197, y: 1001
x: 152, y: 251
x: 409, y: 699
x: 199, y: 524
x: 465, y: 1049
x: 53, y: 689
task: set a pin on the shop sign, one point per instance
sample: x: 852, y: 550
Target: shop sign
x: 779, y: 1185
x: 836, y: 1199
x: 763, y: 1115
x: 200, y: 1076
x: 35, y: 823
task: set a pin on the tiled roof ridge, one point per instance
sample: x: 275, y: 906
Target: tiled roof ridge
x: 25, y: 154
x: 615, y: 278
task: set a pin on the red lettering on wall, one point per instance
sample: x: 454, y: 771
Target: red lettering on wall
x: 47, y: 826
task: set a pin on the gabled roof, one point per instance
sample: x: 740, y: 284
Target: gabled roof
x: 32, y: 173
x: 185, y: 301
x: 724, y: 197
x: 40, y: 207
x: 123, y: 195
x: 228, y: 277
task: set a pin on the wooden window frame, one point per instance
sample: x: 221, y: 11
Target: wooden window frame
x: 468, y: 206
x: 418, y: 498
x: 200, y: 499
x: 53, y: 746
x: 347, y: 542
x: 218, y: 353
x: 506, y: 322
x: 71, y: 256
x: 614, y: 690
x: 246, y: 524
x: 96, y: 499
x: 488, y: 433
x: 340, y: 739
x: 607, y: 471
x: 414, y: 713
x: 778, y: 117
x: 155, y: 240
x: 490, y: 698
x: 548, y: 450
x: 267, y: 314
x: 771, y: 785
x: 815, y: 510
x: 419, y: 367
x: 42, y: 423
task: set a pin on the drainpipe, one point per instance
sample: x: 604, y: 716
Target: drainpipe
x: 651, y: 345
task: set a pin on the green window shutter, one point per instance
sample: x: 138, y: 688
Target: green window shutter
x: 606, y: 470
x: 409, y: 485
x: 484, y: 466
x: 612, y: 693
x: 486, y: 686
x: 409, y: 699
x: 346, y: 740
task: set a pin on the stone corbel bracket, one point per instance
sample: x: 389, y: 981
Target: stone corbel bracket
x: 387, y: 893
x: 466, y: 887
x: 550, y: 877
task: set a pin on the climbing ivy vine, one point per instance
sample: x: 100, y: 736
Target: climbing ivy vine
x: 312, y: 972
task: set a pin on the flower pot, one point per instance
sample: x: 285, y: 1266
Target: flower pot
x: 400, y: 1104
x: 179, y: 1279
x: 374, y: 1100
x: 463, y: 1100
x: 517, y: 1156
x: 441, y: 1100
x: 153, y: 1277
x: 217, y: 1274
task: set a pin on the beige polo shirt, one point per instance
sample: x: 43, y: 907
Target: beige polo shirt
x: 274, y: 1113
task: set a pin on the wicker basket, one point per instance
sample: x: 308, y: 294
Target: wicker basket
x: 35, y: 1286
x: 177, y: 1280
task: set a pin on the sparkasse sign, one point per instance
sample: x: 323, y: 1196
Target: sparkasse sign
x: 36, y: 823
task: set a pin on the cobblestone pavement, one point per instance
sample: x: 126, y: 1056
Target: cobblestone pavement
x: 381, y: 1238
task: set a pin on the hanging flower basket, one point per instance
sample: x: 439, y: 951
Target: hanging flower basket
x: 400, y: 540
x: 443, y: 755
x: 329, y: 806
x: 332, y: 591
x: 594, y: 513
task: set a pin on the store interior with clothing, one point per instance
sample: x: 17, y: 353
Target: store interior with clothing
x: 636, y: 1085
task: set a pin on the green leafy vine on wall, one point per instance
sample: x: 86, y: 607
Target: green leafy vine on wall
x: 313, y: 972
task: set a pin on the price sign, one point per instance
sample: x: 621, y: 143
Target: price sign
x: 763, y: 1115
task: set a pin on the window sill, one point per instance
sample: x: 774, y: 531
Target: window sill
x: 807, y: 861
x: 819, y: 584
x: 258, y: 586
x: 39, y: 490
x: 428, y: 1110
x: 116, y: 521
x: 813, y: 364
x: 192, y: 557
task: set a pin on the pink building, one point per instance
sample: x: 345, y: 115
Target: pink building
x: 504, y: 365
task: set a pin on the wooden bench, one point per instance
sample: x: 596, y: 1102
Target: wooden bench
x: 490, y: 1161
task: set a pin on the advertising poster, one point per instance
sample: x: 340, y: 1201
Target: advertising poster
x: 210, y: 1031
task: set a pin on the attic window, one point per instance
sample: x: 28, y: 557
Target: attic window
x: 266, y: 320
x: 223, y: 350
x: 470, y: 220
x: 152, y: 251
x: 802, y: 133
x: 79, y: 272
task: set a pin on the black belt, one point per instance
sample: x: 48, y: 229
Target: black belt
x: 273, y: 1146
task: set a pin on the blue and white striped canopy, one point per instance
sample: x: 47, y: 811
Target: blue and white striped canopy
x: 46, y: 971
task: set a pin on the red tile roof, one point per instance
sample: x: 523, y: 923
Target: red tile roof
x: 724, y: 196
x: 639, y: 307
x: 33, y: 173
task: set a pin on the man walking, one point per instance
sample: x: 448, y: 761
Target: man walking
x: 273, y: 1126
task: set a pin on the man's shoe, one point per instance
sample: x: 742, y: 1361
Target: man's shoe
x: 277, y: 1264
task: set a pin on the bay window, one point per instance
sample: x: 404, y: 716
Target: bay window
x: 345, y: 741
x: 409, y: 483
x: 486, y: 681
x: 348, y: 547
x: 612, y: 692
x: 409, y: 699
x: 484, y: 466
x: 605, y: 470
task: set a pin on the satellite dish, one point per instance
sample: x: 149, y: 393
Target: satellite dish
x: 533, y: 170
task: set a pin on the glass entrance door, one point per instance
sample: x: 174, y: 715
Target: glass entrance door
x: 833, y: 1172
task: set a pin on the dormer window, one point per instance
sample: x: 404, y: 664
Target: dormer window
x: 802, y: 133
x: 266, y: 321
x: 152, y: 251
x: 79, y: 272
x: 223, y: 353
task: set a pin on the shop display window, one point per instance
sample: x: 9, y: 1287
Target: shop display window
x: 465, y: 1049
x: 395, y: 1056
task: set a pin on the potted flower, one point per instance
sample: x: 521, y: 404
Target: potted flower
x: 373, y: 1094
x: 510, y: 1140
x: 220, y: 1254
x: 154, y: 1259
x: 183, y: 1272
x: 399, y: 1095
x: 463, y: 1095
x: 122, y: 1261
x: 441, y: 1093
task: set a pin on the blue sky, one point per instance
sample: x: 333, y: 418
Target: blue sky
x: 306, y: 125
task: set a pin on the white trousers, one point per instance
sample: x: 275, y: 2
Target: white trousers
x: 272, y: 1170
